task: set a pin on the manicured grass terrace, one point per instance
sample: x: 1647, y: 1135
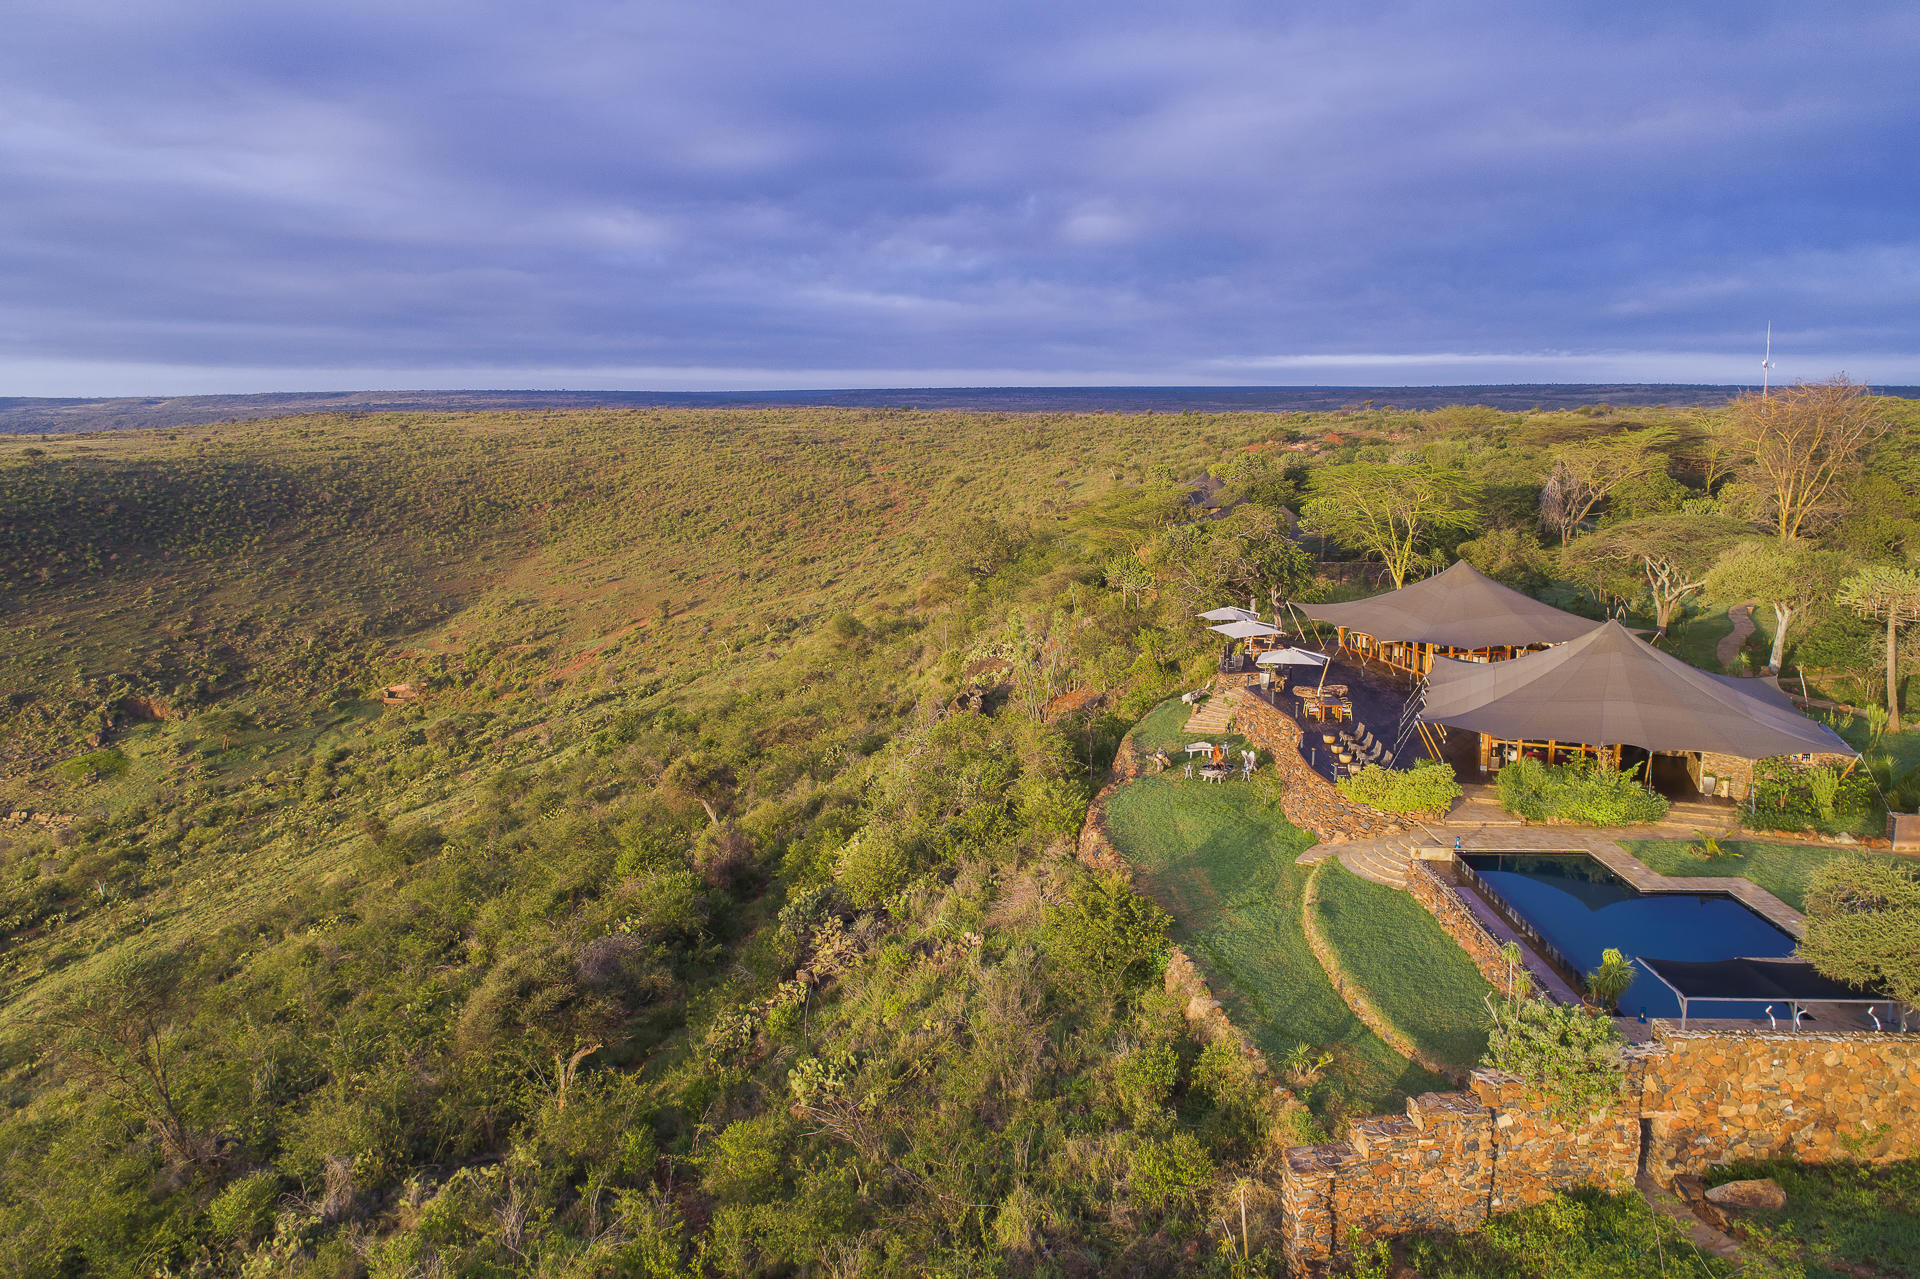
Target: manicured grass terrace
x: 1221, y: 863
x: 1781, y: 868
x: 1416, y: 976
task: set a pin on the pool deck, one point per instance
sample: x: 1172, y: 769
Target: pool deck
x: 1545, y: 976
x: 1603, y: 845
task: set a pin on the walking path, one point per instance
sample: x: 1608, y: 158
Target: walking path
x: 1727, y: 651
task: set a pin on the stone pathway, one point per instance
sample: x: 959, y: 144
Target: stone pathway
x: 1674, y: 1208
x: 1727, y: 651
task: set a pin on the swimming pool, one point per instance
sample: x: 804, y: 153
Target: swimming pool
x: 1580, y: 908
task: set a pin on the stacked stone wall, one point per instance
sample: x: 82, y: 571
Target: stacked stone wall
x: 1694, y: 1098
x: 1443, y: 901
x: 1722, y: 1094
x: 1309, y: 800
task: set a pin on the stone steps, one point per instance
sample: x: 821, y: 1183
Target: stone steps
x: 1707, y: 817
x: 1212, y: 716
x: 1384, y: 861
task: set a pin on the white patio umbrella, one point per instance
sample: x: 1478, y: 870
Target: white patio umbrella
x: 1290, y: 657
x: 1229, y: 615
x: 1246, y: 630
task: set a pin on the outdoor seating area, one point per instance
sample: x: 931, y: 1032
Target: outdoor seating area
x: 1327, y: 704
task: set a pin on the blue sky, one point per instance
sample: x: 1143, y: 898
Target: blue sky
x: 202, y: 197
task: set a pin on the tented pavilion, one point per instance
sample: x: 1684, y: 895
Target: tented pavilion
x: 1460, y: 613
x: 1611, y: 695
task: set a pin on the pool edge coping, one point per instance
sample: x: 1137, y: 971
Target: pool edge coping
x: 1644, y: 878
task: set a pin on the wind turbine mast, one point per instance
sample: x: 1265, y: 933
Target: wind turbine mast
x: 1766, y: 362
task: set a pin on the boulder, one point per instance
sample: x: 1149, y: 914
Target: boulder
x: 1763, y: 1193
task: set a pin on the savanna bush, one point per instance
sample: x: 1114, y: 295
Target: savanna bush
x: 1107, y: 938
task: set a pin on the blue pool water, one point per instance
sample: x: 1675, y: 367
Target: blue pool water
x: 1582, y: 908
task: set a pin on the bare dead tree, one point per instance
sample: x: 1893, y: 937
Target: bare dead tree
x: 121, y: 1043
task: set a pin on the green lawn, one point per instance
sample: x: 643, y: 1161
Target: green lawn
x: 1417, y: 977
x: 1851, y: 1214
x: 1782, y: 869
x: 1222, y: 863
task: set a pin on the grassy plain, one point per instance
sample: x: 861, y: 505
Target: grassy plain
x: 674, y: 927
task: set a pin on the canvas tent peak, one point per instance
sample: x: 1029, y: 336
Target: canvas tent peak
x: 1229, y: 615
x: 1460, y: 608
x: 1610, y: 687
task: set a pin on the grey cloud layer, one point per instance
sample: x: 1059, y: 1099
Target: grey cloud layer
x: 757, y: 193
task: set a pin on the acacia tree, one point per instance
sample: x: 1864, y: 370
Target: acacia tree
x: 1394, y: 512
x: 1127, y: 574
x: 1863, y: 924
x: 1886, y: 591
x: 1670, y: 554
x: 1790, y: 576
x: 1800, y: 447
x: 1584, y: 475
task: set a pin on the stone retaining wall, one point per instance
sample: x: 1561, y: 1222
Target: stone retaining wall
x: 1309, y: 800
x: 1441, y: 899
x: 1693, y: 1098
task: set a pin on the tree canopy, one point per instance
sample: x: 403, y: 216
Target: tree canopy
x: 1863, y: 924
x: 1669, y: 555
x: 1397, y: 513
x: 1790, y: 576
x: 1799, y: 446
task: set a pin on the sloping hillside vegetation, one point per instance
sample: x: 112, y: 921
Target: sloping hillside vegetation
x: 634, y: 842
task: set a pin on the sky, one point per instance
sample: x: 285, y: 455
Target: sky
x: 225, y: 197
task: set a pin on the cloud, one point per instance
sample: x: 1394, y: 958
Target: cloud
x: 203, y: 190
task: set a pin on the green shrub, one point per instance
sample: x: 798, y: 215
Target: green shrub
x: 244, y: 1210
x: 1145, y: 1078
x: 1566, y: 1054
x: 1579, y: 792
x: 1163, y: 1174
x: 874, y: 865
x: 744, y: 1162
x: 1427, y: 787
x: 1789, y: 797
x: 1108, y: 937
x: 1863, y: 924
